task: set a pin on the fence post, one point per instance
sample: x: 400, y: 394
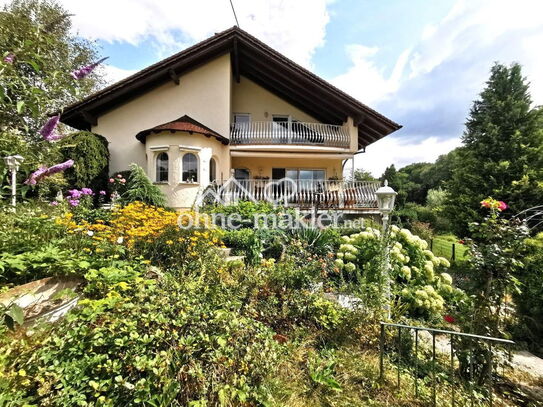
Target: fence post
x: 381, y: 353
x: 431, y: 244
x: 453, y: 258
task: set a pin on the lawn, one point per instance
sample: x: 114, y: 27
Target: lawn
x: 442, y: 246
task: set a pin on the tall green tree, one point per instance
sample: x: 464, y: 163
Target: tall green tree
x: 363, y: 175
x: 502, y: 153
x: 38, y: 52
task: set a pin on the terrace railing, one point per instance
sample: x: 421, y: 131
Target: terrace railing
x: 304, y: 193
x: 408, y: 358
x: 300, y: 133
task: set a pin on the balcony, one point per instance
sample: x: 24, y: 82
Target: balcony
x: 294, y: 133
x: 303, y: 194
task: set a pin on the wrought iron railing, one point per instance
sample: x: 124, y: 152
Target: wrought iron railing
x: 303, y: 193
x: 270, y: 132
x: 454, y: 378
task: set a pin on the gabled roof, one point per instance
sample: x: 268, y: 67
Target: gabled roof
x: 256, y: 61
x: 185, y: 123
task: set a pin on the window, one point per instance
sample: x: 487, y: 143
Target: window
x: 162, y: 167
x: 212, y: 170
x: 242, y: 118
x: 306, y: 179
x: 190, y: 168
x: 241, y: 174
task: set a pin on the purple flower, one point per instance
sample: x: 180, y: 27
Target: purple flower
x: 74, y: 193
x: 48, y: 129
x: 9, y: 58
x: 43, y: 172
x: 86, y: 191
x: 82, y: 72
x: 36, y: 176
x: 54, y: 203
x: 102, y: 192
x: 73, y: 202
x: 60, y: 167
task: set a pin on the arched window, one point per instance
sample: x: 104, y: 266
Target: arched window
x: 212, y: 170
x: 190, y: 168
x: 162, y: 167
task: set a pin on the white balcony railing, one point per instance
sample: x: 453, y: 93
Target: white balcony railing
x: 316, y: 134
x: 303, y: 193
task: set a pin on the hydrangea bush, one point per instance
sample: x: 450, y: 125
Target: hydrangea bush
x: 419, y: 278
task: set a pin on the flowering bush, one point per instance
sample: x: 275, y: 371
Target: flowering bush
x: 163, y: 236
x: 419, y: 277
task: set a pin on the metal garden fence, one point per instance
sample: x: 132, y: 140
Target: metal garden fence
x: 454, y: 379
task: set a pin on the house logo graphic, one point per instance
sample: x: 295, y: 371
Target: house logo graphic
x: 276, y: 192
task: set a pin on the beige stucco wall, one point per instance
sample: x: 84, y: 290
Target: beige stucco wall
x: 203, y: 94
x: 179, y: 193
x: 248, y: 97
x: 263, y: 166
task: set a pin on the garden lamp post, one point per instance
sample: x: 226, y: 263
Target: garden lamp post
x: 13, y: 162
x: 385, y: 202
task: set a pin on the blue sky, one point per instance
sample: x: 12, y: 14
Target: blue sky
x: 420, y: 62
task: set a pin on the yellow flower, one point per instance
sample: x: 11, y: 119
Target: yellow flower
x: 169, y: 242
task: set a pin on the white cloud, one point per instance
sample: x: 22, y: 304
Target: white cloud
x: 434, y: 83
x: 295, y: 28
x: 364, y: 79
x: 114, y: 74
x: 401, y: 152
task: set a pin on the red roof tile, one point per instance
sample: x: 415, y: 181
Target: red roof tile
x: 185, y: 123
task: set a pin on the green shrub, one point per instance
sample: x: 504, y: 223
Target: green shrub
x: 46, y: 261
x: 91, y: 156
x: 140, y: 188
x: 244, y: 242
x: 423, y: 230
x: 146, y: 343
x: 28, y: 227
x: 419, y: 278
x: 529, y: 298
x: 320, y: 242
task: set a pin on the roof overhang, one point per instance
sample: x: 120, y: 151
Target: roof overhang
x: 256, y: 61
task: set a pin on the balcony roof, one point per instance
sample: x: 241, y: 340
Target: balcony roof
x: 250, y: 58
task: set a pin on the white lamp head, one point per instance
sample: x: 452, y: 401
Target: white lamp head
x: 385, y: 198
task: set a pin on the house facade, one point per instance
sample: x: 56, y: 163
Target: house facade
x: 231, y: 106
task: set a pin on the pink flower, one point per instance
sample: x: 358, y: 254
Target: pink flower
x: 60, y: 167
x: 502, y: 206
x: 111, y: 180
x: 43, y: 172
x: 449, y: 318
x: 54, y: 203
x: 86, y: 191
x: 9, y: 58
x: 485, y: 203
x: 48, y: 130
x: 123, y: 181
x: 73, y: 202
x: 102, y: 192
x: 119, y: 176
x: 86, y: 70
x: 74, y: 193
x: 36, y: 176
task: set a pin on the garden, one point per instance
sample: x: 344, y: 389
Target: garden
x: 133, y: 305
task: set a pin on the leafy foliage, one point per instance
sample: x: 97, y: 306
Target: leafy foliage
x: 419, y: 278
x: 91, y: 156
x: 503, y: 150
x: 140, y: 188
x: 529, y: 299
